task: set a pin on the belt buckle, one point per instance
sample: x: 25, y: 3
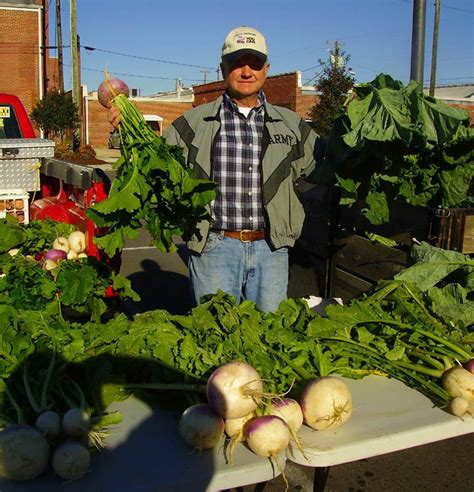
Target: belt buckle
x: 243, y: 231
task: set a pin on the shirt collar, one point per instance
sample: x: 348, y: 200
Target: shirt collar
x: 230, y: 104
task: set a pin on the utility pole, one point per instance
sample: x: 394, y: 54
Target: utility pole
x: 205, y: 72
x: 418, y: 42
x: 76, y: 87
x: 434, y: 51
x: 60, y: 46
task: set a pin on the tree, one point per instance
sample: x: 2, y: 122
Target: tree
x: 55, y: 114
x: 334, y: 83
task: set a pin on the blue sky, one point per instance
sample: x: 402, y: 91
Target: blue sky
x: 151, y: 43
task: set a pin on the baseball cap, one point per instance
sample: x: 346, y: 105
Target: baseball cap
x: 242, y: 41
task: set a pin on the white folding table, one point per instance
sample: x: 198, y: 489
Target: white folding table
x: 387, y: 416
x: 145, y: 453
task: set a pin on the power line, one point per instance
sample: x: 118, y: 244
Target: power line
x: 90, y: 48
x: 138, y: 76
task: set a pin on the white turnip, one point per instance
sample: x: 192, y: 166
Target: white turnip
x: 24, y: 453
x: 62, y: 243
x: 49, y: 424
x: 234, y: 428
x: 326, y: 403
x: 458, y: 381
x: 77, y: 241
x: 234, y: 389
x: 110, y: 88
x: 72, y: 255
x: 201, y: 427
x: 459, y: 406
x: 71, y: 460
x: 76, y: 422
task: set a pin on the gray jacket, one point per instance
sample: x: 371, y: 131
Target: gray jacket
x: 288, y: 149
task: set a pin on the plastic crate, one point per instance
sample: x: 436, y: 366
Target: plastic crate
x: 15, y: 202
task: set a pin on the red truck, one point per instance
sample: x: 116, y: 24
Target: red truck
x: 59, y: 190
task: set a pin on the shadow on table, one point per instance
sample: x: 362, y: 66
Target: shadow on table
x: 158, y: 289
x: 145, y: 451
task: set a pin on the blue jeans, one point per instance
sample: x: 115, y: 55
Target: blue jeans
x: 248, y: 271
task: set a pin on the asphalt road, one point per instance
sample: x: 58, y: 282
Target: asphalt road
x: 162, y: 281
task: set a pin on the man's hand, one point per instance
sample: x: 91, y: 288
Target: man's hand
x: 113, y: 115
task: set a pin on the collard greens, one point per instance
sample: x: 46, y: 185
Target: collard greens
x: 395, y: 143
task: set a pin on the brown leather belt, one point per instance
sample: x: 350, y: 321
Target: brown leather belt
x: 245, y: 235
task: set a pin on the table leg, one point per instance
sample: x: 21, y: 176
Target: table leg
x: 320, y: 477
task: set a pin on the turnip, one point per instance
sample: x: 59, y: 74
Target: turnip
x: 234, y: 389
x: 234, y: 428
x: 13, y: 251
x: 470, y: 365
x: 49, y: 424
x: 71, y: 460
x: 290, y: 411
x: 110, y: 88
x: 201, y: 427
x: 55, y: 255
x: 76, y: 422
x: 459, y: 406
x: 24, y: 453
x: 62, y: 243
x: 77, y: 241
x: 72, y: 255
x: 81, y: 256
x: 326, y: 403
x: 458, y: 381
x: 267, y: 436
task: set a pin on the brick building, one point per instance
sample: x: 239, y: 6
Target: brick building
x: 25, y: 65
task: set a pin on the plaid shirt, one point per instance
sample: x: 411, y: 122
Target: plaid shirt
x: 236, y: 168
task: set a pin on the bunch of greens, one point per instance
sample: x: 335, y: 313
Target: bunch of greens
x: 79, y: 285
x: 395, y: 143
x: 153, y: 188
x: 411, y: 328
x: 30, y: 239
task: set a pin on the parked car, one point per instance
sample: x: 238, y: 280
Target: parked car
x: 114, y: 139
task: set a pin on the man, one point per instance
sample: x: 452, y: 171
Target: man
x: 255, y: 152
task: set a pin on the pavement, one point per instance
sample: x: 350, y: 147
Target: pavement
x: 162, y: 281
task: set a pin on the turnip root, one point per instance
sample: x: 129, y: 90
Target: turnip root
x: 234, y: 389
x: 76, y: 422
x: 326, y: 403
x: 24, y: 453
x: 458, y: 381
x: 62, y: 243
x: 110, y: 88
x: 71, y: 460
x: 77, y: 241
x: 200, y: 427
x: 49, y: 424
